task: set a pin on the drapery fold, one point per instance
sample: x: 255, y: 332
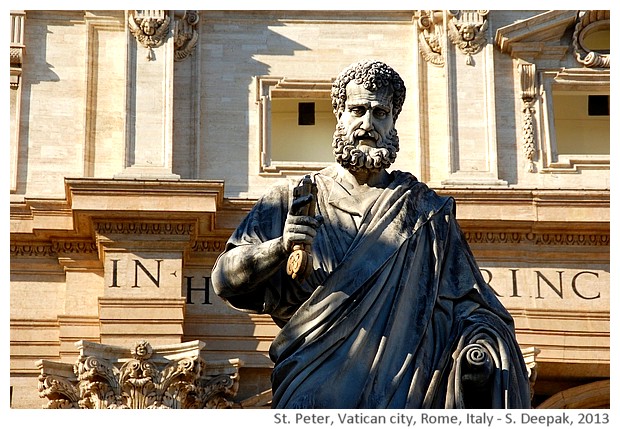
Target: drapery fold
x: 394, y: 300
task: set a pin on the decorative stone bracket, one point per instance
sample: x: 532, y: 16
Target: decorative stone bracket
x: 17, y: 46
x: 139, y: 377
x: 185, y: 34
x: 529, y: 356
x: 467, y: 30
x: 431, y: 36
x: 151, y: 28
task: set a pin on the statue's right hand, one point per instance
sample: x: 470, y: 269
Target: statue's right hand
x: 300, y: 229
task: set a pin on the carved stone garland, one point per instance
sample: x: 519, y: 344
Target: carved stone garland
x: 467, y: 30
x: 528, y: 96
x: 591, y: 21
x: 146, y: 380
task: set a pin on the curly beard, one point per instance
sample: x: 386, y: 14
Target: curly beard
x: 355, y: 158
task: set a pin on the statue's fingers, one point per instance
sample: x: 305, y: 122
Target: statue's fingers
x: 299, y: 203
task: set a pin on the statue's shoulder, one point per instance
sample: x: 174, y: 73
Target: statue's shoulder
x: 426, y: 198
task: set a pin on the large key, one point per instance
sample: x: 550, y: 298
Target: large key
x: 299, y: 264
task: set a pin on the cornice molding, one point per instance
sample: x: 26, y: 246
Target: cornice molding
x: 538, y: 36
x: 216, y: 245
x: 32, y: 250
x: 547, y: 239
x: 163, y: 227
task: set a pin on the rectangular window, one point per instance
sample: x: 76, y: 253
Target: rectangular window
x: 598, y: 105
x: 305, y: 114
x: 296, y: 125
x: 574, y: 120
x: 581, y: 125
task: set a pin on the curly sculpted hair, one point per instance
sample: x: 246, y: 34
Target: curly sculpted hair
x: 372, y: 75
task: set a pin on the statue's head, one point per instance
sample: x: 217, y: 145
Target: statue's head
x: 372, y: 75
x: 367, y: 98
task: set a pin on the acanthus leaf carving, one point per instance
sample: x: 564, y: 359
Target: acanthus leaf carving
x: 59, y: 391
x: 97, y: 383
x: 145, y: 380
x: 17, y: 47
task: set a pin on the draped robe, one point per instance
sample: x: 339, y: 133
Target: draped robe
x: 395, y: 300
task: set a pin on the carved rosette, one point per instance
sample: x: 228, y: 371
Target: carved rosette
x: 144, y: 380
x: 467, y: 30
x: 431, y: 36
x: 150, y: 28
x: 185, y: 34
x: 591, y: 22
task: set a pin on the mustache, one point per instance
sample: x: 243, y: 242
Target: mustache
x: 364, y: 135
x: 354, y: 158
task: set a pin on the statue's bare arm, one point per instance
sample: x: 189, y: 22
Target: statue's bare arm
x: 243, y: 268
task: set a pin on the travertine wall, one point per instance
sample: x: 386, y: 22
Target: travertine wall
x: 237, y: 46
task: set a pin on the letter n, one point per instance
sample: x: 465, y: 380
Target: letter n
x: 145, y: 271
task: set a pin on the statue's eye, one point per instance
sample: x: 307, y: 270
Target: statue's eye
x: 358, y: 111
x: 380, y: 113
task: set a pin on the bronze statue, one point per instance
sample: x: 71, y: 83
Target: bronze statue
x: 394, y: 312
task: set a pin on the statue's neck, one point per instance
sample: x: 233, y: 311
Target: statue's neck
x: 373, y: 179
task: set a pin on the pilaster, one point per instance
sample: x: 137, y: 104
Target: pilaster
x: 470, y: 90
x: 149, y: 96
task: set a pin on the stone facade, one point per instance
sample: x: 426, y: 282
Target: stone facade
x: 139, y: 140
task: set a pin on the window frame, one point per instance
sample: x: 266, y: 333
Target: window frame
x: 269, y: 87
x: 586, y: 81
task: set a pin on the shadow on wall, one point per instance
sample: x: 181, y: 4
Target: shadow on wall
x: 229, y: 45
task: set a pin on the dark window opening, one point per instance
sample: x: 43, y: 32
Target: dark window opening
x: 305, y: 114
x: 598, y: 105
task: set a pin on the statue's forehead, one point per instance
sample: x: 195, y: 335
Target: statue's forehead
x: 357, y: 94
